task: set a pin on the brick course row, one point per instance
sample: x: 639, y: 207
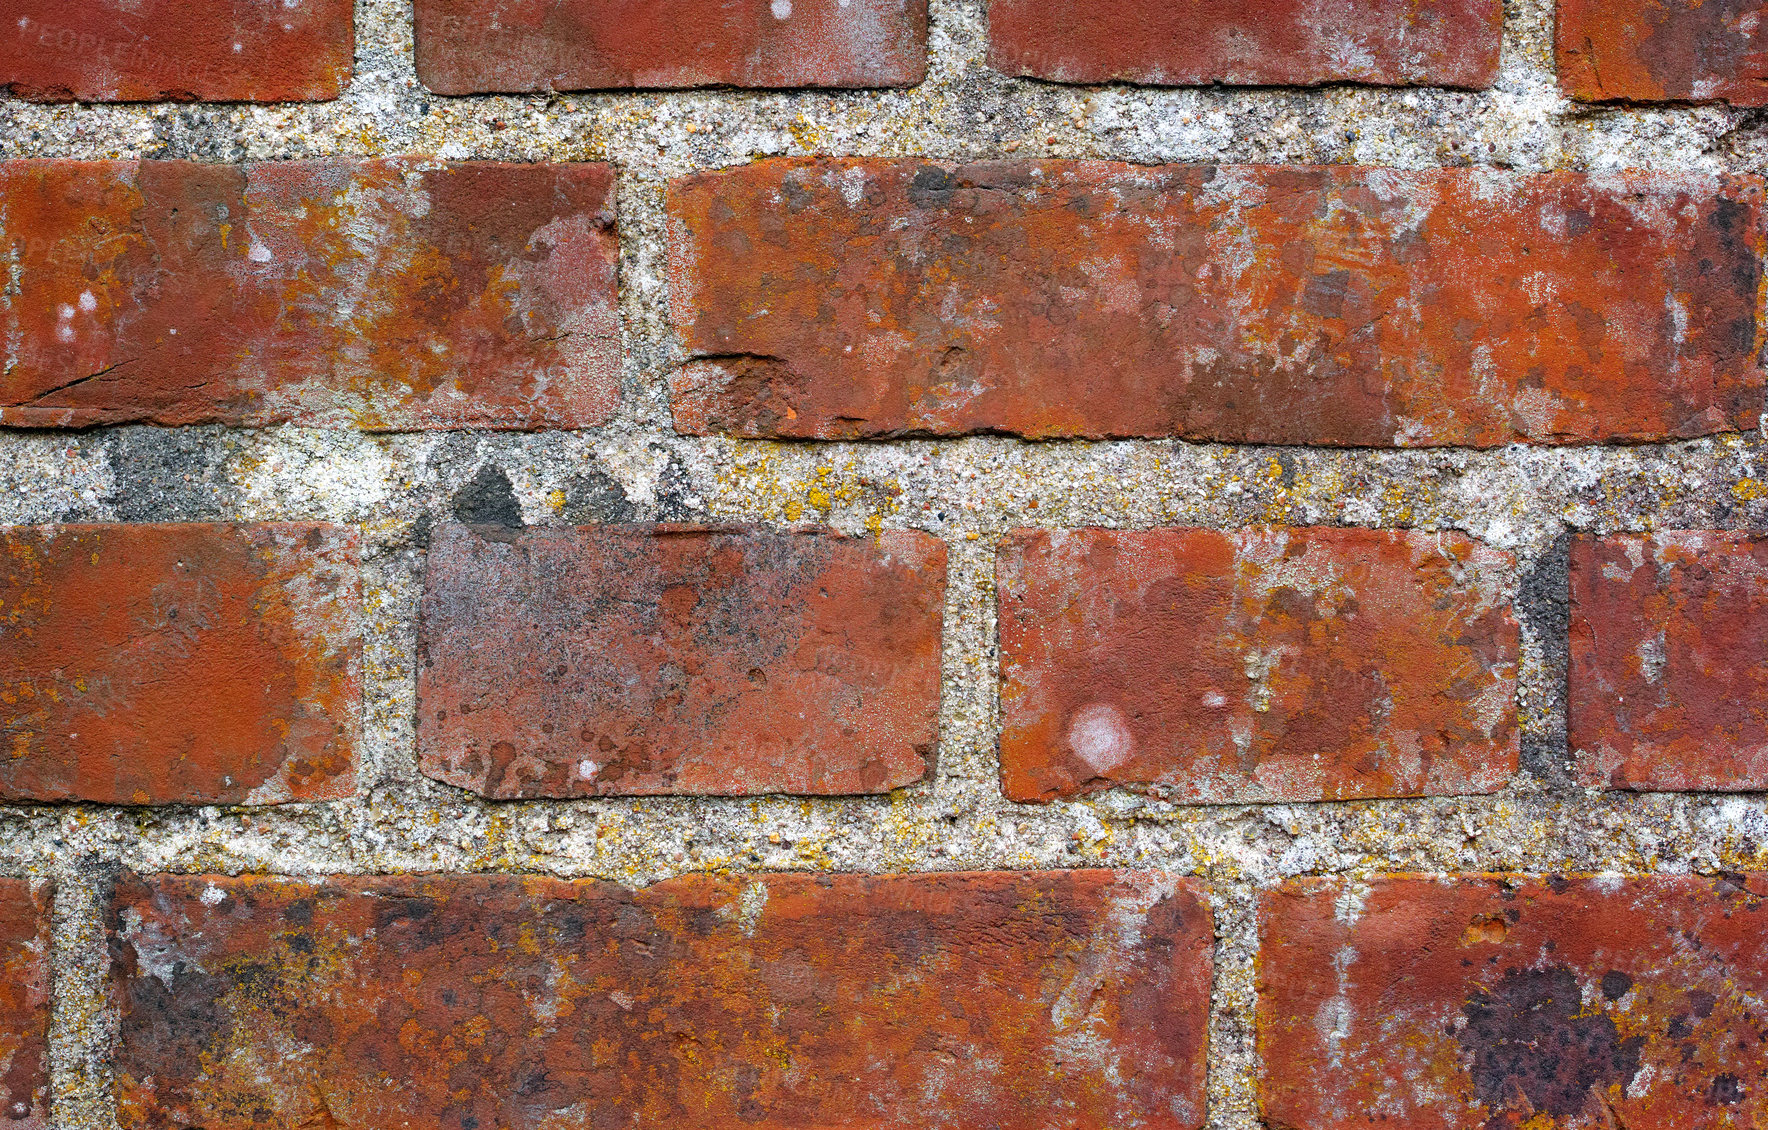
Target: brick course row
x: 1077, y: 998
x: 219, y: 664
x: 848, y: 299
x: 273, y: 50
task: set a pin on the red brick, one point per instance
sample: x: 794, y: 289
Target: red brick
x: 151, y: 50
x: 478, y: 46
x: 1341, y: 306
x: 1513, y: 1002
x: 1275, y: 664
x: 379, y: 294
x: 200, y: 664
x: 619, y: 661
x: 24, y: 1004
x: 1669, y: 660
x: 1257, y: 43
x: 1014, y: 1001
x: 1663, y: 51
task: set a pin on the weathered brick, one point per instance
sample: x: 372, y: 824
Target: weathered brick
x: 475, y: 46
x: 1669, y: 660
x: 379, y: 294
x: 24, y: 1004
x: 149, y: 50
x: 1016, y: 1001
x: 1663, y: 51
x: 609, y: 661
x: 1505, y: 1002
x: 1258, y: 42
x: 1342, y: 306
x: 1274, y: 664
x: 202, y: 664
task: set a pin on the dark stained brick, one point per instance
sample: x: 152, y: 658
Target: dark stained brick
x: 604, y: 661
x: 200, y: 664
x: 1669, y: 660
x: 474, y: 46
x: 24, y: 1004
x: 1251, y: 43
x: 1016, y: 1001
x: 1334, y: 306
x: 1275, y: 664
x: 1663, y: 51
x: 375, y: 294
x: 152, y: 50
x: 1514, y: 1003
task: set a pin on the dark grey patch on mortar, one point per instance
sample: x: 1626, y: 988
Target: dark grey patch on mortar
x: 488, y: 500
x: 595, y: 498
x: 1543, y: 607
x: 676, y: 500
x: 169, y: 474
x: 196, y: 134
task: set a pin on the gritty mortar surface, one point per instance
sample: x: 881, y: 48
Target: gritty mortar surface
x: 394, y: 488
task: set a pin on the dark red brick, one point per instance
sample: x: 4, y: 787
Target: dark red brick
x: 1254, y: 43
x: 1275, y: 664
x: 1514, y: 1003
x: 376, y: 294
x: 24, y: 1004
x: 608, y: 661
x: 1015, y: 1001
x: 477, y: 46
x: 153, y: 50
x: 1663, y: 51
x: 1340, y: 306
x: 1669, y: 660
x: 200, y: 664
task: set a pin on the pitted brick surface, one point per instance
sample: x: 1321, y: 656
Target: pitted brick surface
x: 163, y: 664
x: 1218, y: 666
x: 676, y: 659
x: 385, y: 295
x: 844, y: 299
x: 1505, y: 1002
x: 949, y: 1001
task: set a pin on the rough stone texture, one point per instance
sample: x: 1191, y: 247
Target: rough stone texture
x: 1663, y: 50
x: 679, y: 659
x: 395, y: 488
x: 156, y: 664
x: 1669, y: 660
x: 24, y: 1004
x: 477, y: 46
x: 382, y: 294
x: 1260, y: 665
x: 1510, y: 1001
x: 1256, y: 43
x: 842, y: 298
x: 147, y: 50
x: 1008, y: 1000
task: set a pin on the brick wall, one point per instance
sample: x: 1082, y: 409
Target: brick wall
x: 814, y: 563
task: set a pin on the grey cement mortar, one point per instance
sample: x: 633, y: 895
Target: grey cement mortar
x: 395, y: 487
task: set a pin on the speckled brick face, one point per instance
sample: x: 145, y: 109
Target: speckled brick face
x: 202, y: 664
x: 147, y: 50
x: 1663, y: 51
x: 1669, y: 660
x: 470, y: 46
x: 24, y: 1004
x: 1017, y: 1001
x: 1348, y: 306
x: 1260, y: 42
x: 647, y: 660
x: 374, y: 294
x: 1514, y: 1003
x: 1304, y: 664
